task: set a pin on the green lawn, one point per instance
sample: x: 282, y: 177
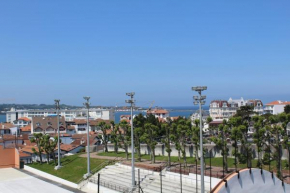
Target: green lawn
x: 191, y: 160
x: 74, y: 167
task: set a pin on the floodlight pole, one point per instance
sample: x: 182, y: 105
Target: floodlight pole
x: 200, y: 99
x: 87, y: 105
x: 58, y: 140
x: 132, y: 102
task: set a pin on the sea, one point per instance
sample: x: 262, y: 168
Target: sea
x: 2, y: 118
x: 182, y: 111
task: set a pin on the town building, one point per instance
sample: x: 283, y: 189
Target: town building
x: 68, y: 114
x: 22, y: 122
x: 276, y: 107
x: 47, y: 125
x: 222, y: 109
x: 158, y: 113
x: 8, y: 128
x: 79, y: 126
x: 26, y: 129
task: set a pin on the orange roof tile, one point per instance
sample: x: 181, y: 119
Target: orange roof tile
x: 24, y: 119
x: 26, y: 128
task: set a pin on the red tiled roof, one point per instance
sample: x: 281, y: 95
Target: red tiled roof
x: 68, y: 147
x: 24, y: 119
x: 6, y: 125
x: 278, y: 103
x: 26, y: 128
x: 22, y: 154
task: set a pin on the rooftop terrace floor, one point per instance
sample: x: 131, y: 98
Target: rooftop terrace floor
x: 13, y: 180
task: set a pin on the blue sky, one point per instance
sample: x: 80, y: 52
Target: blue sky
x: 159, y: 49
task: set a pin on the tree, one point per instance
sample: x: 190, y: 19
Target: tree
x: 259, y: 136
x: 221, y: 142
x: 138, y: 122
x: 38, y: 139
x: 125, y: 138
x: 184, y: 131
x: 287, y: 109
x: 149, y: 137
x: 104, y: 128
x: 114, y: 136
x: 49, y: 146
x: 167, y: 140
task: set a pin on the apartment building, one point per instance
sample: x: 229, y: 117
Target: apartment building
x: 68, y: 114
x: 222, y: 109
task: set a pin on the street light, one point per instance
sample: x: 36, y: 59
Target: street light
x: 200, y: 100
x: 87, y: 105
x: 58, y: 141
x: 132, y: 102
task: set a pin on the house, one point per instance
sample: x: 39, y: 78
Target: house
x: 71, y: 148
x: 48, y: 125
x: 8, y: 128
x: 26, y: 129
x: 81, y: 139
x: 22, y: 122
x: 79, y: 126
x: 8, y: 140
x: 276, y: 107
x: 222, y: 109
x: 35, y: 157
x: 158, y: 113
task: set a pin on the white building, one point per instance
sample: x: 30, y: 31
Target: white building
x: 276, y: 107
x: 22, y: 122
x: 8, y: 128
x: 159, y: 113
x: 222, y: 109
x: 69, y: 115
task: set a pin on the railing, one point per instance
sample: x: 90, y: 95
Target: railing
x: 82, y: 182
x: 111, y: 185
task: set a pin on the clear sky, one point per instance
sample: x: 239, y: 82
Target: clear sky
x: 158, y: 48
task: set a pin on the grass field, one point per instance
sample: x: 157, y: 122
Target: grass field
x: 74, y: 167
x: 218, y: 162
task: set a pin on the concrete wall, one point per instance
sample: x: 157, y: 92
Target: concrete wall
x: 252, y: 183
x: 190, y: 150
x: 9, y: 158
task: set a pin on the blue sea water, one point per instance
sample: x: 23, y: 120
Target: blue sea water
x: 2, y: 118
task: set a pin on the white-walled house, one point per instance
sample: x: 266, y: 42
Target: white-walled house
x: 22, y: 122
x: 8, y: 128
x: 276, y: 107
x: 159, y: 113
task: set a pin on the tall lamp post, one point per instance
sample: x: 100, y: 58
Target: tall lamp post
x: 201, y: 101
x: 58, y: 132
x: 87, y: 105
x: 132, y: 102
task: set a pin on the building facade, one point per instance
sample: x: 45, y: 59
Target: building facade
x: 222, y: 109
x: 69, y: 115
x: 276, y: 107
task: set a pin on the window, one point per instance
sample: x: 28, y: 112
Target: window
x: 38, y: 124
